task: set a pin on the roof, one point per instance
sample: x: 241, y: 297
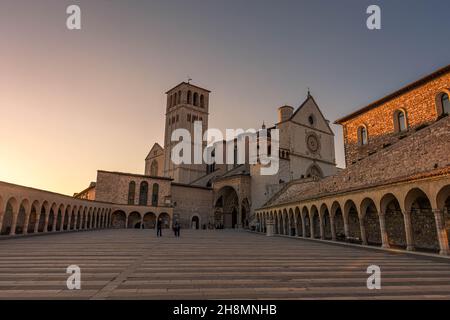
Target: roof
x: 397, y: 93
x: 135, y: 175
x: 189, y: 84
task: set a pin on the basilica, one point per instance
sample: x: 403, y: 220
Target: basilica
x: 393, y: 193
x: 215, y: 195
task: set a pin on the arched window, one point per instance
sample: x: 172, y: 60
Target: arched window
x: 400, y: 123
x: 179, y: 97
x: 143, y: 193
x: 314, y: 171
x: 175, y: 99
x: 189, y: 97
x: 363, y: 138
x: 154, y: 168
x: 445, y: 104
x: 202, y: 101
x: 195, y: 99
x: 155, y: 192
x: 131, y: 192
x: 170, y: 101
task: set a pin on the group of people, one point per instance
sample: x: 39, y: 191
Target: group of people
x: 176, y: 228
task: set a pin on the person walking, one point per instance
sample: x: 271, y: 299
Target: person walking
x: 159, y: 228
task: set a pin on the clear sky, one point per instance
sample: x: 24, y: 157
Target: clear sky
x: 72, y: 102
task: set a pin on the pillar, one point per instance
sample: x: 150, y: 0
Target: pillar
x: 303, y: 227
x: 270, y: 227
x: 333, y: 228
x: 27, y: 220
x: 311, y: 227
x: 408, y: 231
x: 47, y: 217
x: 322, y: 231
x: 441, y: 232
x: 384, y: 235
x: 296, y: 226
x: 14, y: 222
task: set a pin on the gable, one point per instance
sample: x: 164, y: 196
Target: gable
x: 307, y: 109
x: 155, y: 151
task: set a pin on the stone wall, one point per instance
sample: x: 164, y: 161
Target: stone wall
x: 113, y: 187
x: 190, y: 201
x: 420, y: 105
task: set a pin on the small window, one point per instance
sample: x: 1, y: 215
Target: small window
x: 173, y: 119
x: 311, y: 120
x: 445, y: 104
x: 189, y: 117
x: 175, y: 99
x: 362, y: 136
x: 179, y: 97
x: 400, y: 123
x: 189, y: 97
x: 177, y: 118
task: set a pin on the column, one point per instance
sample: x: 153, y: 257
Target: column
x: 311, y: 228
x: 408, y: 231
x: 322, y: 231
x: 384, y: 235
x: 303, y: 227
x: 14, y: 223
x: 55, y: 219
x: 296, y: 226
x: 269, y: 228
x: 333, y: 228
x: 27, y: 220
x: 441, y: 232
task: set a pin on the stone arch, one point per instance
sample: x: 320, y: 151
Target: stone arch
x: 285, y: 222
x: 226, y: 208
x: 118, y: 219
x: 394, y: 221
x: 338, y: 220
x: 443, y: 204
x: 371, y: 222
x: 354, y: 228
x: 195, y: 222
x: 134, y: 220
x: 8, y: 216
x: 299, y: 220
x: 315, y: 222
x: 33, y: 217
x: 423, y: 223
x: 326, y: 222
x: 307, y: 222
x: 164, y: 216
x: 21, y: 217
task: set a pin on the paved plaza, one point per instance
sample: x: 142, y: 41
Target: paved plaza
x: 223, y: 264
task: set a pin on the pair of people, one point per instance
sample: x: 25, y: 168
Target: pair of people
x: 176, y: 228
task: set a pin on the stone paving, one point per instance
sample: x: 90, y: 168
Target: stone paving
x: 222, y: 264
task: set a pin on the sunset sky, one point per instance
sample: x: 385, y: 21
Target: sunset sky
x: 73, y: 102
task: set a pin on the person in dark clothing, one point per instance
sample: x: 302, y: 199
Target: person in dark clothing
x: 177, y: 228
x: 159, y: 228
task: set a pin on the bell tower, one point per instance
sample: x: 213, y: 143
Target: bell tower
x: 186, y: 103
